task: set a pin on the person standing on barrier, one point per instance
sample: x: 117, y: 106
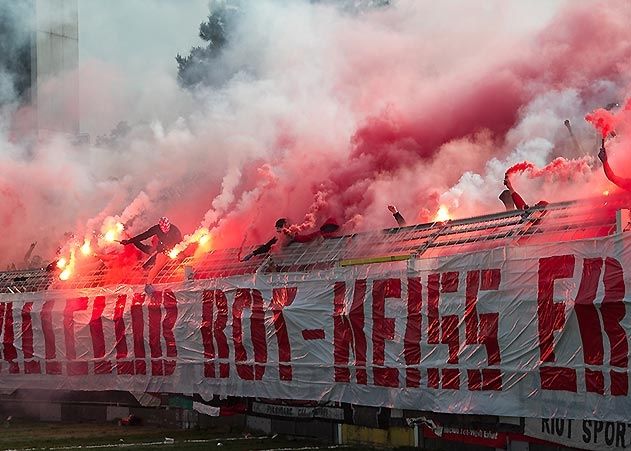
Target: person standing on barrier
x: 168, y: 236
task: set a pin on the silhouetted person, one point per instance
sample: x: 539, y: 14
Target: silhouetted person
x: 261, y: 250
x: 285, y: 237
x: 519, y: 202
x: 507, y: 199
x: 168, y: 236
x: 326, y: 230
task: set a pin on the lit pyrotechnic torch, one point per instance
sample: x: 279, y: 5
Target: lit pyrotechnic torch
x: 86, y: 249
x: 113, y: 232
x: 442, y: 215
x: 68, y: 267
x: 201, y: 236
x: 65, y: 274
x: 204, y: 239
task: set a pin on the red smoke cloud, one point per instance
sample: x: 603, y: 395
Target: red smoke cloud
x: 604, y: 121
x: 559, y: 169
x: 572, y: 53
x: 407, y: 130
x: 400, y: 125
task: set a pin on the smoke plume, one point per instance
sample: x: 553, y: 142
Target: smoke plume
x: 337, y: 112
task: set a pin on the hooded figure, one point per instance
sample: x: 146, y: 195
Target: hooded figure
x: 168, y: 236
x: 282, y: 237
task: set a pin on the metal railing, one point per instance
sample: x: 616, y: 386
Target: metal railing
x: 559, y: 222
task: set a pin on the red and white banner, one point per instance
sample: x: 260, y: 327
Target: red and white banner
x: 533, y: 331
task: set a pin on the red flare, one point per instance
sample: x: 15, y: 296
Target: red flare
x: 560, y: 168
x: 604, y: 121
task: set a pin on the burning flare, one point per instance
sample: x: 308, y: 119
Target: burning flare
x: 68, y: 267
x: 86, y: 249
x: 442, y: 215
x: 113, y: 232
x: 201, y: 237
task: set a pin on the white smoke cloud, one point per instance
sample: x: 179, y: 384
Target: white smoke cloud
x: 306, y: 84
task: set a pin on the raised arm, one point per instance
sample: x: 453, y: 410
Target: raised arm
x: 397, y: 215
x: 144, y: 235
x: 619, y: 181
x: 517, y: 199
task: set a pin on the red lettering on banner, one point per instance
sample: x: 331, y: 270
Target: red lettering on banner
x: 482, y: 329
x: 450, y: 336
x: 138, y: 332
x: 551, y: 314
x: 551, y: 317
x: 443, y: 330
x: 433, y: 295
x: 558, y: 378
x: 98, y: 338
x: 613, y: 311
x: 253, y: 300
x: 50, y: 348
x: 73, y: 367
x: 281, y: 298
x: 382, y: 330
x: 215, y: 328
x: 412, y: 339
x: 9, y: 352
x: 154, y: 309
x: 589, y: 323
x: 348, y: 332
x: 30, y: 366
x: 451, y: 378
x: 122, y: 367
x: 159, y: 328
x: 170, y: 317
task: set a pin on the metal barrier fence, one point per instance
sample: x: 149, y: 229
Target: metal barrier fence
x: 565, y: 221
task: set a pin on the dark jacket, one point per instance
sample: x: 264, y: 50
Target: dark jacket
x: 166, y: 241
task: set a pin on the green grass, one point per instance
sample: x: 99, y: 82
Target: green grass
x: 19, y: 435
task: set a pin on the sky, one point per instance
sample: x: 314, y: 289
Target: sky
x: 140, y: 38
x: 133, y: 40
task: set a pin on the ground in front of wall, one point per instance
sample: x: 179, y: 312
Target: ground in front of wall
x: 32, y: 436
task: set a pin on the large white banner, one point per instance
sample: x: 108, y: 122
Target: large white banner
x: 537, y: 331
